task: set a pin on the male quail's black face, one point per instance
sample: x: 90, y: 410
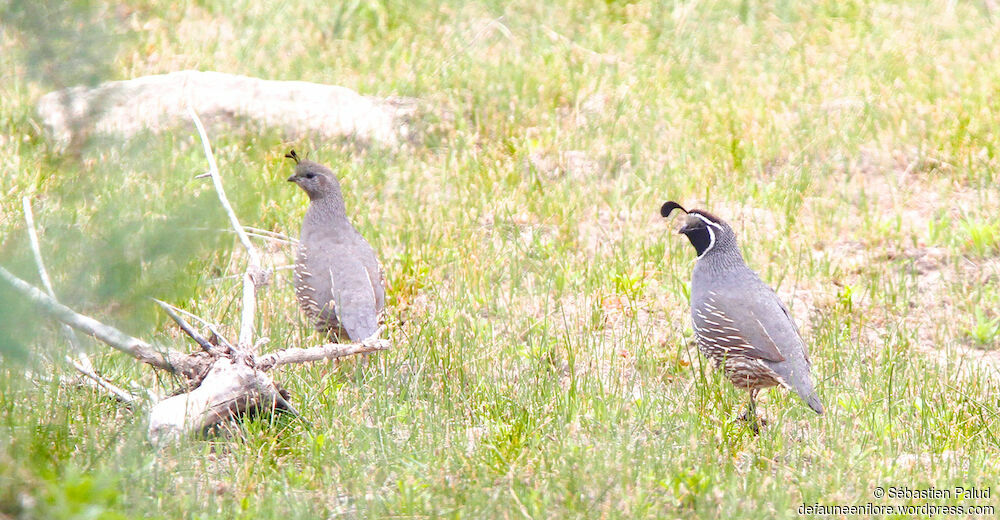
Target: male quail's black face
x: 699, y: 232
x: 700, y: 227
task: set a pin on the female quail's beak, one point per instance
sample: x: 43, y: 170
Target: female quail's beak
x: 292, y: 178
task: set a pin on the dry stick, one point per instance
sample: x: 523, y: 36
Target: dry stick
x: 254, y: 275
x: 262, y: 234
x: 319, y: 353
x: 118, y: 392
x: 235, y: 276
x: 209, y: 325
x: 186, y: 327
x: 170, y: 360
x: 82, y: 364
x: 270, y: 238
x: 271, y: 234
x: 213, y: 171
x: 43, y: 274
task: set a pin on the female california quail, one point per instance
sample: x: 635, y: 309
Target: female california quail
x: 338, y: 280
x: 739, y: 322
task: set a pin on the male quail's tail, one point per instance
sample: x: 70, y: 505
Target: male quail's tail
x: 739, y: 322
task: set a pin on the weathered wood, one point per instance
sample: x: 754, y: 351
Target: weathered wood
x: 229, y: 390
x: 189, y: 330
x: 319, y: 353
x: 81, y: 362
x: 165, y: 359
x: 255, y: 276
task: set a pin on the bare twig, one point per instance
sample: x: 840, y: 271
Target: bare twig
x: 235, y: 276
x: 271, y: 234
x: 186, y: 327
x: 169, y: 360
x: 321, y: 352
x: 119, y: 393
x: 249, y: 311
x: 251, y: 231
x: 217, y: 181
x: 255, y: 276
x: 213, y: 328
x: 82, y: 362
x: 272, y: 239
x: 43, y: 274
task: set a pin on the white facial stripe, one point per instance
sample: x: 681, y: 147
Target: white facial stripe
x: 711, y: 236
x: 709, y: 222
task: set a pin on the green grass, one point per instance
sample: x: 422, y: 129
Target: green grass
x: 542, y: 364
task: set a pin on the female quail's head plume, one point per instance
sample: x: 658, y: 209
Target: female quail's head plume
x: 338, y: 279
x: 739, y: 322
x: 316, y: 180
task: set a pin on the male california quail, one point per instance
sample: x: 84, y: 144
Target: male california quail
x: 739, y: 321
x: 338, y: 279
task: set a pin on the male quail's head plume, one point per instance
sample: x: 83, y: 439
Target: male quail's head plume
x: 739, y: 322
x: 338, y: 279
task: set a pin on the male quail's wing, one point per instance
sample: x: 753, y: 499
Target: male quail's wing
x: 353, y: 297
x: 739, y: 325
x: 795, y: 327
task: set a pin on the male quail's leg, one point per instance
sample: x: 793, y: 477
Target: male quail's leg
x: 751, y: 414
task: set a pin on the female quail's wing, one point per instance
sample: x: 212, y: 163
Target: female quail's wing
x: 353, y: 297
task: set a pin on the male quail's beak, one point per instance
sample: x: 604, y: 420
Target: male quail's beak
x: 689, y: 225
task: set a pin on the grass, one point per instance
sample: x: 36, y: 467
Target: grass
x: 538, y: 305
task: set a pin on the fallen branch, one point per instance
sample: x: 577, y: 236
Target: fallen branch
x: 213, y: 172
x: 189, y: 330
x: 213, y: 328
x: 228, y: 390
x: 169, y: 360
x: 272, y: 234
x: 43, y: 274
x: 99, y: 382
x: 320, y: 353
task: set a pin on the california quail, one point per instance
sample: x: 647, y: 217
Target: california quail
x: 739, y: 322
x: 338, y: 280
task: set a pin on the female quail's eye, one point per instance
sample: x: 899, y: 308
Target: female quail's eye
x: 310, y: 175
